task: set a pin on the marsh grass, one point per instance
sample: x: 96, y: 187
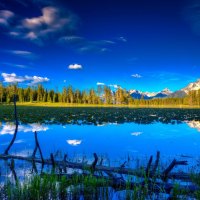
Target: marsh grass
x: 53, y: 186
x: 97, y: 115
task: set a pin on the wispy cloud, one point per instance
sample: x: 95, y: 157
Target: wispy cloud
x: 30, y: 80
x: 6, y: 17
x: 136, y: 76
x: 83, y: 45
x: 53, y: 22
x: 24, y: 54
x: 75, y: 66
x: 22, y: 66
x: 72, y: 39
x: 169, y: 76
x: 122, y: 39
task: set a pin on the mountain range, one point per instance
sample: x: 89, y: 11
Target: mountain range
x: 166, y: 92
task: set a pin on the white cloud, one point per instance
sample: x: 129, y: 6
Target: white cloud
x: 10, y: 128
x: 5, y: 17
x: 99, y: 83
x: 12, y: 78
x: 32, y: 80
x: 75, y: 66
x: 74, y: 142
x: 37, y: 79
x: 136, y: 76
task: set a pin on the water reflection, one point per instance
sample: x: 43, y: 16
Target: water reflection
x: 114, y: 140
x: 194, y: 124
x: 9, y: 128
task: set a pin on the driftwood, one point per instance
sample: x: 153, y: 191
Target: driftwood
x: 119, y: 170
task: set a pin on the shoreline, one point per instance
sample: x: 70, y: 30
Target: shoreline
x: 74, y: 105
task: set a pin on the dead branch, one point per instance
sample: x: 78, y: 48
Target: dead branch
x: 12, y: 168
x: 149, y: 165
x: 94, y: 162
x: 156, y: 163
x: 37, y: 146
x: 173, y: 164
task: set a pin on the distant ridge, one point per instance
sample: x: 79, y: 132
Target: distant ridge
x: 150, y: 95
x: 136, y: 94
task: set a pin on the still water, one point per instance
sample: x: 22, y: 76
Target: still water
x: 111, y: 140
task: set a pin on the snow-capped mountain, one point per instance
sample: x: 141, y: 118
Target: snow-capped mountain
x: 163, y: 93
x: 136, y: 94
x: 192, y: 86
x: 183, y: 92
x: 166, y: 92
x: 149, y: 95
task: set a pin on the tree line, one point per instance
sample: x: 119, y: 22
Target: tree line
x: 101, y: 95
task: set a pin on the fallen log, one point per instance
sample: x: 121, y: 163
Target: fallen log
x: 83, y: 166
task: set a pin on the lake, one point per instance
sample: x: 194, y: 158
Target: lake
x: 111, y: 140
x: 118, y: 135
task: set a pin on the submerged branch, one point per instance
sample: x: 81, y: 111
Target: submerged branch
x: 16, y: 127
x: 82, y: 166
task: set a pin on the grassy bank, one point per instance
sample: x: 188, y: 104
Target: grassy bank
x: 46, y: 104
x: 52, y: 186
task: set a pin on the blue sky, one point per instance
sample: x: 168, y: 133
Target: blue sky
x: 146, y: 45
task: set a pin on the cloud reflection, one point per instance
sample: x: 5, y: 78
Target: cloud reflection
x: 10, y: 128
x: 74, y: 142
x: 136, y: 133
x: 194, y: 124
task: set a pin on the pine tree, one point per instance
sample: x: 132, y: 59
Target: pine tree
x: 1, y: 92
